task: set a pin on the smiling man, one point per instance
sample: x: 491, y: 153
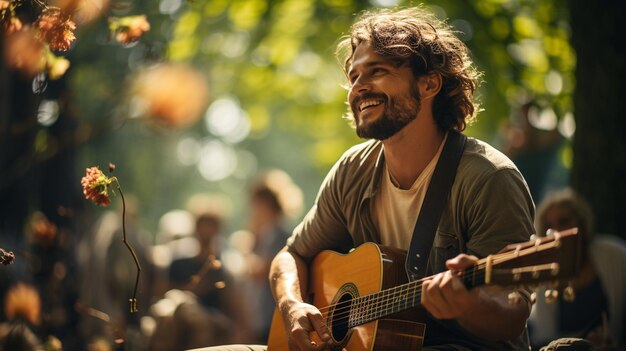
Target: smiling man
x: 411, y: 85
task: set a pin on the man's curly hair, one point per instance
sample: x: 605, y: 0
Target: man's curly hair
x: 416, y: 37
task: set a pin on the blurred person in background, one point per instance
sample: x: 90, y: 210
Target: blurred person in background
x: 274, y: 200
x: 598, y: 312
x: 535, y: 151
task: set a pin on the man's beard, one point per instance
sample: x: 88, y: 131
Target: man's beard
x: 397, y: 114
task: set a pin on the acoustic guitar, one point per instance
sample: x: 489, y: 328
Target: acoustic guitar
x: 368, y: 304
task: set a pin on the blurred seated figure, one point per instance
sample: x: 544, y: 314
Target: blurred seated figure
x: 598, y: 311
x: 181, y: 322
x: 203, y: 273
x: 202, y: 306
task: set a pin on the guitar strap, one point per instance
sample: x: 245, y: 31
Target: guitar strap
x: 437, y: 195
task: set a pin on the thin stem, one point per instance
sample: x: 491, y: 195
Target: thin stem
x: 133, y: 300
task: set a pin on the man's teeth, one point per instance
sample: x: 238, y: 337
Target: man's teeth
x: 366, y: 104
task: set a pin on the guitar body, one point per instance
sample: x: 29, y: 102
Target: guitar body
x: 335, y: 279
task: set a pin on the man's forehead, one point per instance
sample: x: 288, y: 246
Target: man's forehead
x: 368, y: 57
x: 364, y: 55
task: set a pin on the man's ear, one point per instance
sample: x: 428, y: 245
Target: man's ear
x: 429, y: 85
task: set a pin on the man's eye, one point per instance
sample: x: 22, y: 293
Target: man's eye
x: 378, y: 71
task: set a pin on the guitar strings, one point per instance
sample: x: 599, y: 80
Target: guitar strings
x: 380, y: 304
x: 342, y: 315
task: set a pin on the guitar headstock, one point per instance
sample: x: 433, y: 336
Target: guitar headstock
x: 554, y: 258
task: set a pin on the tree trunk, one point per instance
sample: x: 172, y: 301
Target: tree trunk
x: 599, y: 167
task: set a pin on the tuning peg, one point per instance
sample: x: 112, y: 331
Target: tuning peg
x: 514, y: 298
x: 551, y: 295
x: 568, y: 293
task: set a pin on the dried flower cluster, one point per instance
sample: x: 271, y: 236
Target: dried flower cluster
x: 96, y: 186
x: 30, y: 47
x: 56, y: 29
x: 6, y: 257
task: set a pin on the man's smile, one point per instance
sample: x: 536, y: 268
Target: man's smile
x: 367, y: 103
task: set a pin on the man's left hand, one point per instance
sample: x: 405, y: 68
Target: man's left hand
x: 444, y: 295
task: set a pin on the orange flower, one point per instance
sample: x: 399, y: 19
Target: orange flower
x: 22, y: 301
x: 129, y: 29
x: 171, y: 95
x: 95, y: 186
x: 56, y: 31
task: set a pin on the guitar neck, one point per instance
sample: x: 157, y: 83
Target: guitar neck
x: 546, y: 259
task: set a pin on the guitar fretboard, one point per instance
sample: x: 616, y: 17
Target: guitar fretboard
x: 367, y: 308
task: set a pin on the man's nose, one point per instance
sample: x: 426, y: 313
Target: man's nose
x: 359, y: 87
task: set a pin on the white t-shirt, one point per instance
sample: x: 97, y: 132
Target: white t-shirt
x: 396, y: 210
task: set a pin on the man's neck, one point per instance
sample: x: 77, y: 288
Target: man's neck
x: 409, y: 151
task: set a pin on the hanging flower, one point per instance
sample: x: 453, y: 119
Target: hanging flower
x: 95, y: 186
x: 128, y: 30
x: 56, y: 29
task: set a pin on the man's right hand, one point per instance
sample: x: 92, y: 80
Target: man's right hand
x: 301, y: 319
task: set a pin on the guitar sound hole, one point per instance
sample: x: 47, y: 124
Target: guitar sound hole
x: 340, y: 318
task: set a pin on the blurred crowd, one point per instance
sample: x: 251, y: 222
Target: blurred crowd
x: 199, y: 285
